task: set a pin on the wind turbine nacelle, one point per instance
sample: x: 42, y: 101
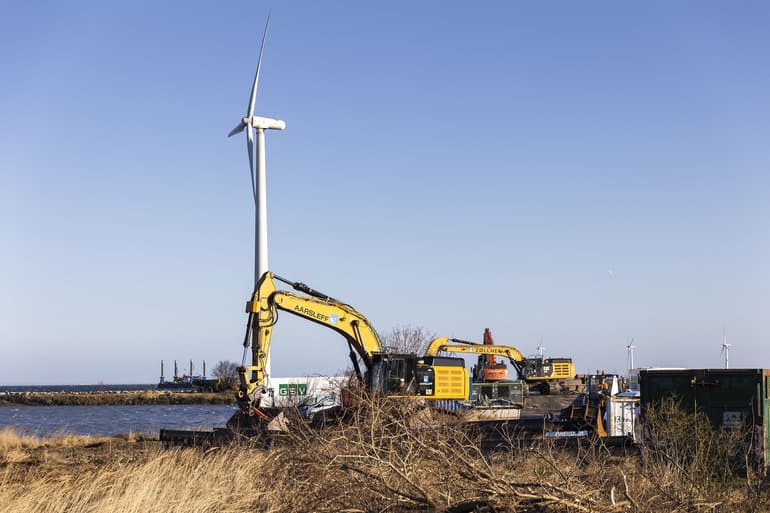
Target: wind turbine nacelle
x: 265, y: 123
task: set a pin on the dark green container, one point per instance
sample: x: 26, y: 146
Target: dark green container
x: 725, y: 396
x: 510, y: 391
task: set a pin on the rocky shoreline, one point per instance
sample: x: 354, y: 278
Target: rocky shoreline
x: 108, y: 398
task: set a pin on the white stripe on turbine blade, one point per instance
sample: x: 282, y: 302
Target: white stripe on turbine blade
x: 237, y: 130
x: 253, y: 100
x: 250, y: 147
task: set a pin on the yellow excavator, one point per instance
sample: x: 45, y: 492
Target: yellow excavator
x: 549, y: 375
x: 544, y: 375
x: 391, y: 374
x: 453, y: 345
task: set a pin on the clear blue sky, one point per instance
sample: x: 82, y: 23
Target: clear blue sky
x: 578, y: 173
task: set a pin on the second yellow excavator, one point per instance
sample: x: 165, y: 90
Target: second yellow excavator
x: 453, y: 345
x: 543, y: 375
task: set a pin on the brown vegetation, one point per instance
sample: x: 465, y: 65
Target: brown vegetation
x: 386, y: 458
x: 143, y: 397
x: 407, y: 339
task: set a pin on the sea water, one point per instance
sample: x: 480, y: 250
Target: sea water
x: 112, y: 420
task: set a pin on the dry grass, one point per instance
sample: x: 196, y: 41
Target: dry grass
x: 12, y: 439
x: 14, y: 446
x: 18, y: 447
x: 379, y: 461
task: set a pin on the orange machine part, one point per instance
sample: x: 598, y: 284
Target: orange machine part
x: 491, y: 360
x: 492, y: 371
x: 495, y: 374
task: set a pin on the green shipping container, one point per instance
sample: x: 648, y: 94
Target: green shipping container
x: 512, y: 391
x: 725, y: 396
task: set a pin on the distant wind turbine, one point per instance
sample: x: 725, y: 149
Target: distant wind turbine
x: 630, y: 347
x: 259, y: 188
x: 726, y: 350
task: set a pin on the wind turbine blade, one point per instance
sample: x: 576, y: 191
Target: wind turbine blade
x: 253, y: 100
x: 250, y: 146
x: 237, y: 130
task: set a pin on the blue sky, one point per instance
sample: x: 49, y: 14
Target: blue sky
x: 576, y: 173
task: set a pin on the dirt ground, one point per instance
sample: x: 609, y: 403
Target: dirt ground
x: 543, y: 404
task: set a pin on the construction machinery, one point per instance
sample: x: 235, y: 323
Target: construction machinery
x: 549, y: 375
x: 493, y: 396
x: 544, y: 375
x: 488, y: 368
x: 431, y: 378
x: 605, y: 410
x: 453, y: 345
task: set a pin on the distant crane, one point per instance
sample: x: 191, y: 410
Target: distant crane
x: 540, y: 349
x: 630, y: 361
x: 726, y: 350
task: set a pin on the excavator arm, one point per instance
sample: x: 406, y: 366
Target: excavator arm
x: 314, y: 306
x: 453, y: 345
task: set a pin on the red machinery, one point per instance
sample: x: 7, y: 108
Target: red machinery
x: 488, y: 368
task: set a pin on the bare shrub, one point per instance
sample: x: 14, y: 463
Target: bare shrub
x: 395, y: 455
x: 226, y: 373
x: 407, y: 339
x: 694, y: 466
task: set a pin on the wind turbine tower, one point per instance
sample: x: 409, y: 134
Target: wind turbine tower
x: 726, y: 350
x: 252, y: 123
x: 630, y: 347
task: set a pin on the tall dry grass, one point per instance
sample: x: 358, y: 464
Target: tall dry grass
x: 18, y: 447
x: 12, y: 439
x: 14, y: 446
x: 168, y: 481
x: 386, y: 458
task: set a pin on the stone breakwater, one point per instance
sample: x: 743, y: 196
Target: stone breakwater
x: 106, y: 398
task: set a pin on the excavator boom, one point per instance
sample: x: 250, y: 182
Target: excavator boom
x: 453, y: 345
x: 316, y: 307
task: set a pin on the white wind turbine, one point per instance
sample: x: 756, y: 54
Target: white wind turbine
x: 259, y: 188
x: 726, y: 350
x: 630, y: 347
x: 259, y: 185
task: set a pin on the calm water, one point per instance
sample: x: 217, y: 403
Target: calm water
x: 112, y: 420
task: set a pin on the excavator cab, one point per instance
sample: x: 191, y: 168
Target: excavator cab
x: 395, y: 374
